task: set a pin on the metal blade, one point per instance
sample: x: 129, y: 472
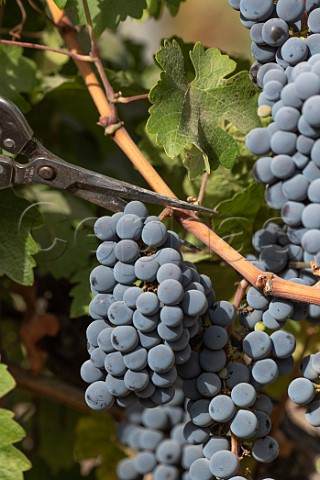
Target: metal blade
x: 15, y: 132
x: 48, y: 169
x: 6, y: 171
x: 16, y: 136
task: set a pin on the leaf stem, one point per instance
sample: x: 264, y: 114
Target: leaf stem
x: 6, y: 31
x: 202, y: 190
x: 16, y: 31
x: 267, y: 282
x: 133, y: 98
x: 36, y: 46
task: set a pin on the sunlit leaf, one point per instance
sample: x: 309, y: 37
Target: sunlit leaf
x: 191, y: 111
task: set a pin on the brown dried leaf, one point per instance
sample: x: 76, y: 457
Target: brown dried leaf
x: 32, y: 331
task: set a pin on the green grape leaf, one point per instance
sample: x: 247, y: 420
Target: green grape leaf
x: 193, y: 111
x: 7, y: 382
x: 235, y: 221
x: 10, y: 431
x: 18, y: 75
x: 17, y: 245
x: 107, y: 13
x: 12, y: 463
x: 93, y: 441
x: 80, y: 293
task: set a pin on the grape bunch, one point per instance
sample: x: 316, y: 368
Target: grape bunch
x: 286, y: 45
x: 304, y: 391
x: 292, y: 173
x: 223, y: 381
x: 277, y: 28
x: 157, y: 436
x: 148, y: 306
x: 158, y: 337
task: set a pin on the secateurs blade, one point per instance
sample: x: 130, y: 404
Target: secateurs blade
x: 43, y: 167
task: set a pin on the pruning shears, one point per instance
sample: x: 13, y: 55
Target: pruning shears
x: 43, y: 167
